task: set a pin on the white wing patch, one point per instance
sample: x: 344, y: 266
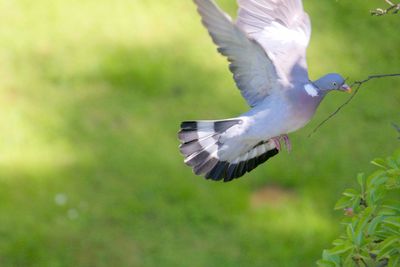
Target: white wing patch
x: 311, y: 90
x: 284, y: 35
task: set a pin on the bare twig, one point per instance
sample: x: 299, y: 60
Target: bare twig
x: 393, y: 9
x: 357, y: 85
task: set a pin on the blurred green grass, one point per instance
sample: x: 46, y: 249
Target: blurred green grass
x: 91, y: 96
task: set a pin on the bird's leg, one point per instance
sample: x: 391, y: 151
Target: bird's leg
x: 286, y: 139
x: 277, y: 142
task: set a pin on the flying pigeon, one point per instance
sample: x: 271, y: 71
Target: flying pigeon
x: 266, y: 47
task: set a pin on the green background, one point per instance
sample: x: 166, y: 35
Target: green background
x: 91, y: 97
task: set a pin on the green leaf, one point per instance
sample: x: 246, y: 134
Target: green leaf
x: 390, y: 229
x: 350, y: 192
x: 393, y: 183
x: 392, y: 163
x: 394, y: 172
x: 361, y: 181
x: 325, y: 263
x: 387, y: 246
x: 374, y: 224
x: 343, y: 202
x: 378, y: 194
x: 395, y: 221
x: 382, y: 234
x: 371, y: 180
x: 348, y: 261
x: 394, y: 260
x: 341, y: 249
x: 365, y: 254
x: 350, y: 231
x: 338, y: 242
x: 391, y: 208
x: 328, y: 258
x: 378, y: 180
x: 381, y: 163
x: 360, y: 227
x: 372, y: 221
x: 355, y: 203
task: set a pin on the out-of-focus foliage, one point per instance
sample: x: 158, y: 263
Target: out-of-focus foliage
x: 372, y: 222
x: 92, y: 94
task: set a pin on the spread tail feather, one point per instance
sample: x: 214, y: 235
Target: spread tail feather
x: 200, y: 145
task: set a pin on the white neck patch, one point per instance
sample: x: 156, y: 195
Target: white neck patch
x: 311, y: 90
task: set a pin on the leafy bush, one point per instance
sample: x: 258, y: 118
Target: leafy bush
x: 372, y: 220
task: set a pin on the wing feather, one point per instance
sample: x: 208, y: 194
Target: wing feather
x: 283, y: 29
x: 253, y: 71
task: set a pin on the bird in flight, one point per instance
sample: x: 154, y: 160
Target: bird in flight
x: 266, y: 47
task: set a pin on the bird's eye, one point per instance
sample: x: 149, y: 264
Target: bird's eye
x: 334, y: 84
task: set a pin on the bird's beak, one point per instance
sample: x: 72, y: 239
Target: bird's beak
x: 346, y: 88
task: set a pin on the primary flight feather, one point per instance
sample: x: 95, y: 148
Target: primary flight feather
x: 266, y: 48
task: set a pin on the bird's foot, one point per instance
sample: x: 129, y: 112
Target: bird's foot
x: 288, y: 144
x: 277, y: 141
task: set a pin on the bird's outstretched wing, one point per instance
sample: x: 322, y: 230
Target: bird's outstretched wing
x: 283, y: 29
x: 253, y: 70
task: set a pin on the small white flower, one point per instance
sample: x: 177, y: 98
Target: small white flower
x: 72, y: 214
x: 61, y: 199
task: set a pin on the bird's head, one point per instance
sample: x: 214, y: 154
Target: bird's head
x: 332, y: 81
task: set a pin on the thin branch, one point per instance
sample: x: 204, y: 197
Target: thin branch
x: 389, y: 2
x: 357, y: 85
x: 393, y: 9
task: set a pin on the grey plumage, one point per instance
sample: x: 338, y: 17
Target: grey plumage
x: 266, y: 48
x: 199, y: 144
